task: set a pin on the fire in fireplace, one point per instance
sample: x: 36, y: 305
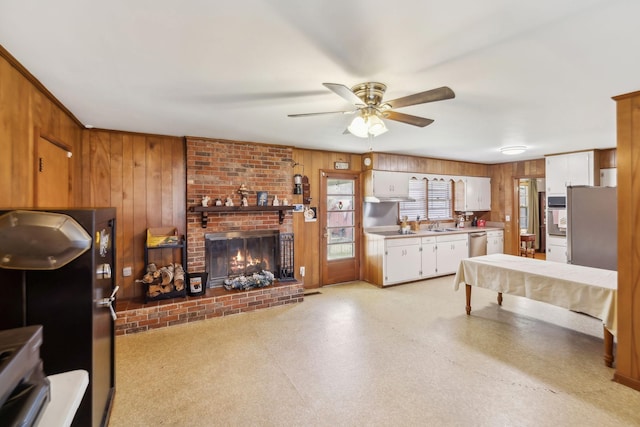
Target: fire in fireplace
x: 239, y: 253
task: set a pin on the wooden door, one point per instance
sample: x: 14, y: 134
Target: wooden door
x: 341, y: 226
x: 52, y: 174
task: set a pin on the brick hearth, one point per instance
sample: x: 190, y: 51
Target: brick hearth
x: 137, y: 317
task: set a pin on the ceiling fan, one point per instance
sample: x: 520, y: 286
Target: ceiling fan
x: 367, y: 98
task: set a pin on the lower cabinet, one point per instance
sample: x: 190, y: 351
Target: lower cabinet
x: 402, y: 260
x: 495, y: 242
x: 429, y: 257
x: 413, y: 258
x: 556, y: 249
x: 451, y: 249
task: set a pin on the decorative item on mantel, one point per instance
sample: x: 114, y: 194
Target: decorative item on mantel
x: 228, y: 202
x: 205, y: 201
x: 262, y: 197
x: 276, y: 202
x: 243, y: 191
x: 244, y: 283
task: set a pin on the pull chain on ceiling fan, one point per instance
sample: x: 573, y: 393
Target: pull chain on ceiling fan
x: 368, y: 100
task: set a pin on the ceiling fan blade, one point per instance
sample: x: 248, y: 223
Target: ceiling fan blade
x: 407, y: 118
x: 322, y: 113
x: 432, y: 95
x: 344, y: 92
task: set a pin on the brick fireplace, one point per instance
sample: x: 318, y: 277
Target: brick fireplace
x: 217, y: 168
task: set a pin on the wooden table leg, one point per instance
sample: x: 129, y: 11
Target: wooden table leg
x: 499, y: 298
x: 468, y: 291
x: 608, y: 347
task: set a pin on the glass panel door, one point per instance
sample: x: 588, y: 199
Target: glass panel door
x: 340, y: 215
x: 340, y: 219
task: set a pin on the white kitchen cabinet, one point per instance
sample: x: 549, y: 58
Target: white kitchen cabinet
x: 429, y: 257
x: 380, y: 185
x: 451, y: 249
x: 556, y: 249
x: 473, y: 193
x: 495, y: 242
x: 402, y: 260
x: 563, y: 170
x: 608, y: 177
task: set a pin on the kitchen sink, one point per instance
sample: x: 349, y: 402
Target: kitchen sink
x: 442, y: 230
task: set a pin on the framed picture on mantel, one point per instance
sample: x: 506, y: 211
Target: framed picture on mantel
x: 263, y: 198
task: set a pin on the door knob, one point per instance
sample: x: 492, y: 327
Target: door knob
x: 108, y: 302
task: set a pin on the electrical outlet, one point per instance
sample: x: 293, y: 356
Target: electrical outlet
x: 507, y: 218
x: 302, y: 271
x: 126, y: 271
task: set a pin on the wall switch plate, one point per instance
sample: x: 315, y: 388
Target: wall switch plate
x: 126, y: 272
x: 302, y: 271
x: 507, y: 218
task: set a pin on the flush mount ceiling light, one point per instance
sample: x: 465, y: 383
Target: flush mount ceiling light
x: 512, y: 150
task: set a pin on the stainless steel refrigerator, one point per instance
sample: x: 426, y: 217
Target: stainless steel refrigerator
x: 592, y: 227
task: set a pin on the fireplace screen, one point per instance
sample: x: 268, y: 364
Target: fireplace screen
x: 241, y: 253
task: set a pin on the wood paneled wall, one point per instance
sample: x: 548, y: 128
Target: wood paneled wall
x: 628, y: 164
x: 400, y: 163
x: 143, y: 177
x: 608, y: 158
x: 307, y: 234
x: 28, y: 110
x: 504, y: 193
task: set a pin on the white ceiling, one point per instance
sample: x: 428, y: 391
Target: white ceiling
x: 539, y: 73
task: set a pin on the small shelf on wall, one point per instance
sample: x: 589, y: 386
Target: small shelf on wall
x: 204, y: 211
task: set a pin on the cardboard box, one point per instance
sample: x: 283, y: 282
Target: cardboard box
x: 162, y: 236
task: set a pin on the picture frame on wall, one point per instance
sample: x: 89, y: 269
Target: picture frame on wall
x: 262, y: 198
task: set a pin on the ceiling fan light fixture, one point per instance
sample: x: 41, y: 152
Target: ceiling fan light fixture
x: 376, y: 125
x: 358, y: 127
x: 512, y: 150
x: 365, y: 125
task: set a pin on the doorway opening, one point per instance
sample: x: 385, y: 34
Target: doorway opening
x: 531, y: 217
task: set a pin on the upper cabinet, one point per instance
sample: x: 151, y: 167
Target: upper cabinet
x: 571, y: 169
x: 472, y: 193
x: 381, y: 186
x: 608, y: 177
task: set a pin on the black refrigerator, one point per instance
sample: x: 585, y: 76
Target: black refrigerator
x: 73, y: 303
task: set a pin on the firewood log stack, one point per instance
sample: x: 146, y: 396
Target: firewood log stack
x: 163, y: 280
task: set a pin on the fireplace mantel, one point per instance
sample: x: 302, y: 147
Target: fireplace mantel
x: 204, y: 211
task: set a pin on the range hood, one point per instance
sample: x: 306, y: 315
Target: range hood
x: 384, y: 199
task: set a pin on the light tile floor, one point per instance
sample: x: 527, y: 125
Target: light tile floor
x: 358, y: 355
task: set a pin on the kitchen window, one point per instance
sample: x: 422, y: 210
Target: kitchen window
x: 433, y: 200
x: 439, y: 195
x: 524, y: 207
x: 417, y: 208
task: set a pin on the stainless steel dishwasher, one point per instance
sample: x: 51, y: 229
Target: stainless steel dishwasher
x: 477, y: 243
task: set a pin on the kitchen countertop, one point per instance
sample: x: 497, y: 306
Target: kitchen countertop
x: 391, y: 232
